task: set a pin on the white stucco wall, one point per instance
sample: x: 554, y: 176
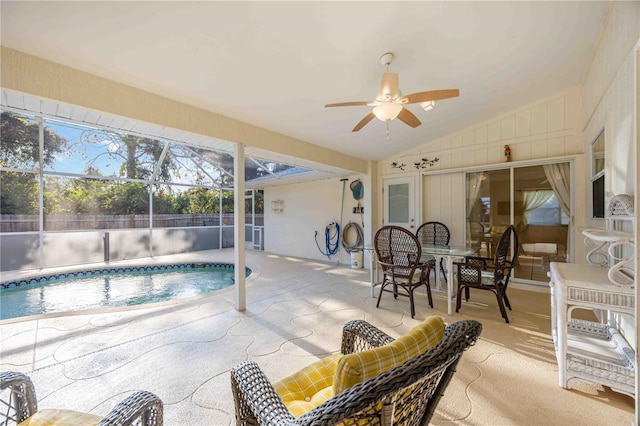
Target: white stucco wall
x: 307, y: 208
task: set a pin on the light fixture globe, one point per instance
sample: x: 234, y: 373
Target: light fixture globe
x: 387, y: 111
x: 428, y: 105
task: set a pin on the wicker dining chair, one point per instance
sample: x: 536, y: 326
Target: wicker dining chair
x: 399, y: 253
x: 405, y: 395
x: 18, y: 403
x: 434, y: 233
x: 490, y: 273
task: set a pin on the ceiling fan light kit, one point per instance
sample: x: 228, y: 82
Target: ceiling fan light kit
x: 428, y: 105
x: 390, y: 104
x: 387, y: 111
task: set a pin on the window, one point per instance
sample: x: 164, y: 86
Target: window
x: 598, y: 176
x: 549, y: 213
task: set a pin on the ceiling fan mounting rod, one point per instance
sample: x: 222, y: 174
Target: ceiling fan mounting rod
x: 386, y: 60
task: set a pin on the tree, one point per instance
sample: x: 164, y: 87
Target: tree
x: 21, y: 142
x: 19, y: 194
x: 138, y: 157
x: 20, y: 149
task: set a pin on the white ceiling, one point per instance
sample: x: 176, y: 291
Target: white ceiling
x: 275, y: 65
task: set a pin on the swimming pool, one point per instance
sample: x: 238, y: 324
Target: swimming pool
x: 112, y: 287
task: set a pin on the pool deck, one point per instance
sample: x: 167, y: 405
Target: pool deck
x: 183, y: 351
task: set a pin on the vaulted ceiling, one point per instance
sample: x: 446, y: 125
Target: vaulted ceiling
x: 276, y: 64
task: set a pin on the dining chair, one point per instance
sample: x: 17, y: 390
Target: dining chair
x: 399, y: 253
x: 434, y: 233
x: 490, y: 273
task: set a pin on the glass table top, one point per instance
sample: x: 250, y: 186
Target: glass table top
x: 440, y: 250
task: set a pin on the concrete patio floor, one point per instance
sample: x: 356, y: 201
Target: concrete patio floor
x: 183, y: 351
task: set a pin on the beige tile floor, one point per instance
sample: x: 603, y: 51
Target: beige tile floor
x: 295, y: 311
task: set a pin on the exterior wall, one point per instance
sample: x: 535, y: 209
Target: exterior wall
x: 177, y: 240
x: 21, y: 251
x: 547, y: 129
x: 443, y: 201
x: 307, y: 208
x: 609, y: 100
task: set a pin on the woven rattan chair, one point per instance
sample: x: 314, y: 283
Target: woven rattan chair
x: 18, y: 403
x: 434, y: 233
x: 490, y: 273
x: 399, y: 253
x: 405, y: 395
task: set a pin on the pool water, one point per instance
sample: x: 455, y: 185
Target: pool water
x: 103, y: 289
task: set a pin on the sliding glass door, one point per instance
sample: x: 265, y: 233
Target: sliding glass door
x: 536, y: 199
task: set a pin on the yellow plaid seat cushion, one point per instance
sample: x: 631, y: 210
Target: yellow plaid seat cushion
x: 360, y: 366
x: 310, y: 387
x: 52, y: 417
x: 315, y: 384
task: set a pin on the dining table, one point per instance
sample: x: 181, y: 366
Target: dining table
x: 449, y: 253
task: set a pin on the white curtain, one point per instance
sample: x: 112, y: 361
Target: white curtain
x: 559, y: 179
x: 474, y: 181
x: 531, y: 200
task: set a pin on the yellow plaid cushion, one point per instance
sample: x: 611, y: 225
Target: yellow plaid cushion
x: 310, y: 387
x: 358, y: 367
x: 51, y: 417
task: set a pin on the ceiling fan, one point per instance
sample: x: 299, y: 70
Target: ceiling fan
x: 389, y: 104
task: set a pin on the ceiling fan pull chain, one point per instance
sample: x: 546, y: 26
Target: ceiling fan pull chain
x: 387, y: 130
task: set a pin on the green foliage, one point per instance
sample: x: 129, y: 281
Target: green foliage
x: 163, y: 203
x: 134, y: 157
x: 20, y: 148
x: 20, y: 142
x: 197, y: 200
x: 23, y: 196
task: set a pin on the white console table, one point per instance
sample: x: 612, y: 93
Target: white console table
x: 588, y: 350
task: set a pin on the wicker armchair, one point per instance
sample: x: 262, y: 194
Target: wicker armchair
x: 18, y: 401
x: 399, y: 254
x: 490, y: 274
x: 405, y: 395
x: 434, y: 233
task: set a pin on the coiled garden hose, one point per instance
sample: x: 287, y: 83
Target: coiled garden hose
x: 331, y: 240
x: 357, y: 245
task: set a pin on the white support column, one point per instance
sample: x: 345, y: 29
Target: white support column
x: 40, y: 192
x: 238, y: 229
x: 636, y: 231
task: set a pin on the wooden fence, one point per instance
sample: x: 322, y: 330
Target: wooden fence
x: 30, y: 223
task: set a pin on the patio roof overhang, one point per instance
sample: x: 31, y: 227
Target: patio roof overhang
x: 37, y: 85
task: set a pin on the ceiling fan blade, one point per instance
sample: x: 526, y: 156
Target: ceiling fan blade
x: 409, y: 118
x: 357, y: 103
x: 364, y: 121
x: 389, y: 85
x: 432, y: 95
